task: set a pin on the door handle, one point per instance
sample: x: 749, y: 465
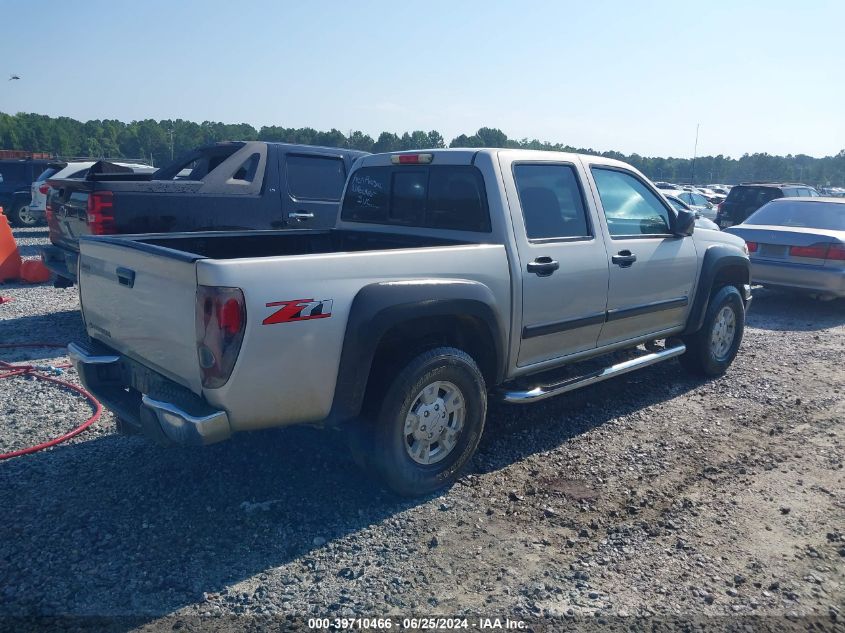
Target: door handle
x: 624, y: 259
x: 125, y: 277
x: 543, y: 266
x: 300, y: 216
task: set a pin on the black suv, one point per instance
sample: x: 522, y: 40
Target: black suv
x: 16, y: 178
x: 746, y: 198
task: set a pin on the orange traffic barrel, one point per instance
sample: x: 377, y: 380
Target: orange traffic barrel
x: 10, y: 258
x: 34, y: 271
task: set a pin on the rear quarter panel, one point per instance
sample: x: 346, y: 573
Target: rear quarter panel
x: 286, y: 372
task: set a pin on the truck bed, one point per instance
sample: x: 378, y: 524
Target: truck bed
x: 247, y: 244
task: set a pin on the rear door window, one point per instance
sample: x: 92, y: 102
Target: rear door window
x: 430, y: 196
x: 315, y: 177
x: 551, y: 200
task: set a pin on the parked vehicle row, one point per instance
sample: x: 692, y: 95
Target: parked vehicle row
x: 746, y: 198
x: 76, y: 170
x: 449, y: 277
x: 224, y: 186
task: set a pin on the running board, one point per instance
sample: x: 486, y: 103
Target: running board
x: 547, y: 391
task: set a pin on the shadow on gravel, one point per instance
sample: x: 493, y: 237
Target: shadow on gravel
x: 119, y: 526
x: 56, y: 327
x: 514, y: 432
x: 785, y: 311
x: 30, y: 234
x: 29, y: 250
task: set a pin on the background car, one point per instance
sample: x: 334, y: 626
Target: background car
x: 746, y: 198
x: 700, y: 222
x: 16, y: 176
x: 798, y: 243
x: 720, y: 189
x: 665, y: 185
x: 712, y: 196
x: 76, y: 169
x: 695, y: 201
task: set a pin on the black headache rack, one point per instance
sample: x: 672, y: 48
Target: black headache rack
x: 104, y: 170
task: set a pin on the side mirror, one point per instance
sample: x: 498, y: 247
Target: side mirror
x: 684, y: 223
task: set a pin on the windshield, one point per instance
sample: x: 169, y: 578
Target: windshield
x: 812, y: 215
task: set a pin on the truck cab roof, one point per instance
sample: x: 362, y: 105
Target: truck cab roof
x: 468, y: 155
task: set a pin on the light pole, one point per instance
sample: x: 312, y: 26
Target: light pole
x: 694, y: 152
x: 171, y: 143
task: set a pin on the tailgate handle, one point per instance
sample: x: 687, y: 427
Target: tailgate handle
x: 126, y: 277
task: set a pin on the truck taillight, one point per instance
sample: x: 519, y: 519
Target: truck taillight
x: 101, y: 213
x: 221, y: 322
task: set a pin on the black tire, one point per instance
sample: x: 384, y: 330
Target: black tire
x: 125, y: 428
x: 700, y: 358
x: 19, y: 217
x: 389, y: 455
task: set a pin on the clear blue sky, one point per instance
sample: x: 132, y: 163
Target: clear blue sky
x: 629, y: 76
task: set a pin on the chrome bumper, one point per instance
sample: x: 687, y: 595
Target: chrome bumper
x: 183, y: 428
x: 191, y: 422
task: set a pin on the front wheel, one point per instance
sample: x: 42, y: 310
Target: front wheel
x: 429, y: 423
x: 712, y: 349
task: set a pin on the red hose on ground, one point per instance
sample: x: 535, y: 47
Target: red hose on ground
x: 32, y: 370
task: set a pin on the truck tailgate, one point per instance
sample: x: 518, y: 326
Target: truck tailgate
x: 142, y: 304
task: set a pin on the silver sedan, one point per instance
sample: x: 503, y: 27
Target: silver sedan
x: 798, y: 244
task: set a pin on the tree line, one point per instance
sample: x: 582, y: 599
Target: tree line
x: 157, y: 141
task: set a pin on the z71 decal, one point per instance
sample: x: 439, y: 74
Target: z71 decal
x: 298, y: 310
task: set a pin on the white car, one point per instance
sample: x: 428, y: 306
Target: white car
x: 79, y: 169
x: 700, y: 222
x: 30, y: 216
x: 695, y: 201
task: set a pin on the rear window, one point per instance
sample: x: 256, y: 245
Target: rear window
x: 435, y: 196
x: 749, y: 196
x: 44, y: 175
x: 315, y: 177
x: 812, y: 215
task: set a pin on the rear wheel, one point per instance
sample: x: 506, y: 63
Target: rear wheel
x: 21, y: 216
x: 429, y: 422
x: 712, y: 349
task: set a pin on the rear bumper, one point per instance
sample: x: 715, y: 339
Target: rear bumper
x: 61, y: 261
x: 38, y: 212
x: 169, y: 414
x: 812, y: 279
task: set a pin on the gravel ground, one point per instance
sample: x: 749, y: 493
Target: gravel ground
x: 651, y: 495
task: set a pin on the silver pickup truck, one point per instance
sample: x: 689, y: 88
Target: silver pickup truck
x: 451, y: 276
